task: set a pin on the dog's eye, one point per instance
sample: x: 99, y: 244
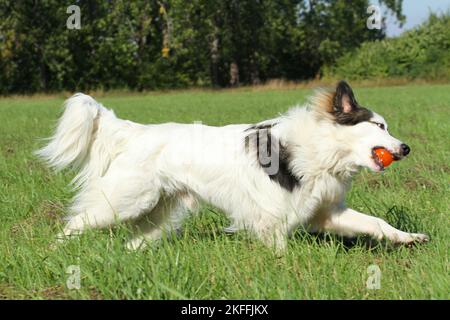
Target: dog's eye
x: 380, y: 125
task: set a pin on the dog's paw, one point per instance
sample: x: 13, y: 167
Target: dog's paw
x: 136, y: 244
x: 410, y: 239
x: 416, y: 238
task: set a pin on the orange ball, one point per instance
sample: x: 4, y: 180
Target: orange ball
x: 384, y: 156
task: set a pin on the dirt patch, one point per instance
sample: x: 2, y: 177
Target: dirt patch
x: 54, y: 293
x: 8, y: 292
x: 51, y: 211
x: 8, y: 151
x: 419, y: 137
x: 61, y: 292
x: 445, y: 168
x: 374, y: 181
x: 94, y: 294
x: 415, y: 183
x: 431, y: 167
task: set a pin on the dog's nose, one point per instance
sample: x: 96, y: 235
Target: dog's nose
x: 405, y: 149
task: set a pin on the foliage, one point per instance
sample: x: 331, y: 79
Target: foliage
x: 165, y: 44
x: 423, y: 52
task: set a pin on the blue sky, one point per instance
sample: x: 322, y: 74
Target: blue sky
x: 416, y: 11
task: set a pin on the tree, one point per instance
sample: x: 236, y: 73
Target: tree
x: 152, y: 44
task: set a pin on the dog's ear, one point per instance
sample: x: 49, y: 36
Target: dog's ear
x: 346, y: 110
x: 344, y: 99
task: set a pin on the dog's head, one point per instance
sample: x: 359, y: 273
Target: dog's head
x: 366, y: 130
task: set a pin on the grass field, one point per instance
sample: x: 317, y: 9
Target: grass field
x: 203, y: 262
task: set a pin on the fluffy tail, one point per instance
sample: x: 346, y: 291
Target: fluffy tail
x: 70, y: 144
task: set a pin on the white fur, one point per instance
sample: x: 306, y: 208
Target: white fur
x: 154, y: 175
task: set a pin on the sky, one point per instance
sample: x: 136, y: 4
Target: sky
x: 416, y: 11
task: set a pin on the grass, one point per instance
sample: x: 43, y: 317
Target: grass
x: 203, y: 262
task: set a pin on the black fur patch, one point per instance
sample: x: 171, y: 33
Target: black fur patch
x: 357, y: 113
x: 261, y: 137
x: 284, y: 177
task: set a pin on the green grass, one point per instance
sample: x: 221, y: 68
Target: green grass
x: 203, y: 262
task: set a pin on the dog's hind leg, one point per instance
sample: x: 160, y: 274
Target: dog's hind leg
x: 166, y: 217
x: 150, y: 227
x: 268, y: 228
x: 105, y: 205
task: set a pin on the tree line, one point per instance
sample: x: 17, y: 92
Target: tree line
x: 155, y: 44
x: 422, y: 52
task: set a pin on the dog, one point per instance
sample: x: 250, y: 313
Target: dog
x: 269, y: 178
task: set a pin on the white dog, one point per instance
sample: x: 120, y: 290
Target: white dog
x: 269, y: 178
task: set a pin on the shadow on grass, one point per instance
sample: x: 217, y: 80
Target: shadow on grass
x: 401, y: 218
x: 344, y: 243
x: 398, y: 217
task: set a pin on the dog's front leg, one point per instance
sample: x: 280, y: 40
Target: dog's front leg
x: 350, y: 223
x: 277, y: 239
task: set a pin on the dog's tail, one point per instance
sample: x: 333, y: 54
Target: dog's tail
x: 70, y: 144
